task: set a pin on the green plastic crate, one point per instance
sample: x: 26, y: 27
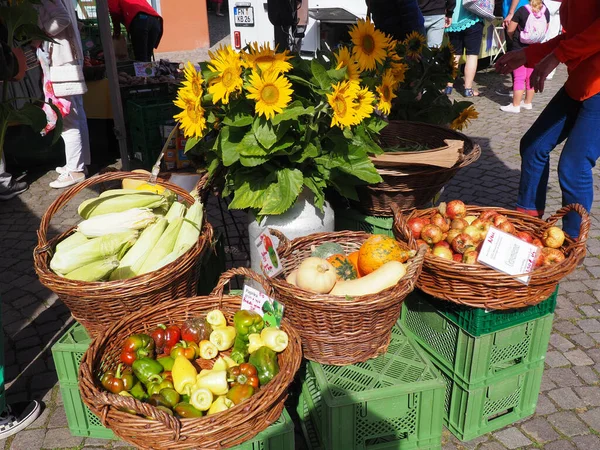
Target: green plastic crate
x: 479, y: 321
x: 472, y: 412
x: 475, y: 360
x: 394, y: 401
x: 279, y: 436
x: 349, y: 219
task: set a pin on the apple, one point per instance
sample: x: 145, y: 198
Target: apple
x: 488, y: 214
x: 553, y: 237
x: 498, y: 219
x: 442, y: 252
x: 474, y: 232
x: 432, y: 234
x: 549, y: 256
x: 440, y: 221
x: 452, y: 233
x: 456, y: 209
x: 507, y: 227
x: 524, y: 236
x: 470, y: 256
x: 442, y: 244
x: 457, y: 257
x: 537, y: 242
x: 461, y: 242
x: 459, y: 224
x: 470, y: 219
x: 483, y: 225
x: 415, y: 225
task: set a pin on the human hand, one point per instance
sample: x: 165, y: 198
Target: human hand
x: 507, y: 19
x: 542, y: 70
x: 448, y: 22
x: 510, y: 61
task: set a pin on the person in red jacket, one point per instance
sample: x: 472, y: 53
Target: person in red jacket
x: 572, y: 115
x: 144, y: 24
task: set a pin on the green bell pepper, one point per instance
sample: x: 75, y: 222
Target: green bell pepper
x: 138, y: 392
x: 158, y: 400
x: 135, y: 347
x: 171, y: 396
x: 167, y: 362
x: 247, y: 322
x: 186, y: 411
x: 265, y: 361
x: 154, y: 387
x: 240, y: 392
x: 239, y: 353
x: 147, y: 370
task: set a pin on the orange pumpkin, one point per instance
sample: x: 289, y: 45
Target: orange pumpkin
x: 378, y: 250
x: 344, y: 269
x: 353, y: 258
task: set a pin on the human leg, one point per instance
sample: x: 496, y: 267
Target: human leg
x: 9, y: 188
x: 550, y: 129
x: 473, y: 37
x: 154, y: 33
x: 434, y: 27
x: 530, y: 92
x: 457, y: 42
x: 138, y: 30
x: 577, y: 161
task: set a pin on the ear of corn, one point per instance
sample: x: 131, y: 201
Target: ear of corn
x: 118, y: 203
x: 176, y: 210
x: 94, y: 271
x: 93, y: 250
x: 190, y: 230
x: 132, y: 219
x: 163, y: 247
x: 113, y: 192
x: 74, y: 240
x: 135, y: 257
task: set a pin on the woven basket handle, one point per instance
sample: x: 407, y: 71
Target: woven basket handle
x: 401, y: 224
x: 229, y: 274
x: 472, y: 156
x: 285, y: 245
x: 584, y: 228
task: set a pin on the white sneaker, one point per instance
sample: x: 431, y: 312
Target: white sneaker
x: 526, y: 105
x: 510, y: 108
x: 63, y: 169
x: 67, y: 179
x: 18, y: 416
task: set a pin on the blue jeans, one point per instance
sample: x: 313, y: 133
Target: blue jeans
x: 579, y: 123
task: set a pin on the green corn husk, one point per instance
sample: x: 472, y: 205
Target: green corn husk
x: 113, y: 192
x: 94, y: 271
x: 176, y: 210
x: 132, y: 219
x: 93, y: 250
x: 119, y: 203
x: 163, y: 247
x: 134, y: 259
x: 74, y: 240
x: 192, y: 225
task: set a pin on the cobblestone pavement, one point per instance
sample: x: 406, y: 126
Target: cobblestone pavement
x: 568, y: 412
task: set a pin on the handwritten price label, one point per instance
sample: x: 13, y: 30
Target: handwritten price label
x: 270, y: 309
x: 269, y: 259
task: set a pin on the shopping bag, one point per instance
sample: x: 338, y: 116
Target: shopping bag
x: 481, y: 8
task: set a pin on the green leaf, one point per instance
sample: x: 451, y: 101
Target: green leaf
x: 282, y: 194
x: 31, y: 115
x: 376, y: 124
x: 299, y: 80
x: 320, y: 74
x: 359, y: 166
x: 191, y: 143
x: 239, y: 115
x: 249, y: 189
x: 264, y: 132
x: 292, y: 112
x: 317, y: 186
x: 310, y: 151
x: 229, y: 140
x: 337, y: 75
x: 286, y: 142
x: 346, y: 190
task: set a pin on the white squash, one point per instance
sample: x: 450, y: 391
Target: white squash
x: 386, y: 276
x: 291, y: 278
x: 316, y: 275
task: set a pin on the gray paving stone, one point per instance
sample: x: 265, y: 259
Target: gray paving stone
x: 96, y: 443
x: 58, y: 418
x: 565, y: 327
x: 491, y: 446
x: 583, y: 340
x: 563, y: 377
x: 561, y: 343
x: 512, y: 438
x: 474, y: 443
x: 556, y: 359
x: 592, y: 418
x: 579, y: 358
x: 589, y: 394
x: 568, y: 423
x: 589, y: 325
x: 28, y: 440
x: 544, y: 406
x: 540, y: 430
x: 60, y: 438
x: 559, y: 445
x: 565, y: 398
x: 590, y: 311
x: 587, y: 442
x: 582, y: 298
x: 587, y: 374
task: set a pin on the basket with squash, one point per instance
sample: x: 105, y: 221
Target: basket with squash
x: 343, y: 291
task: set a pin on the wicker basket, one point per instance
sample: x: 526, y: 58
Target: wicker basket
x: 482, y: 287
x: 415, y: 186
x: 97, y: 304
x: 160, y: 430
x: 335, y: 330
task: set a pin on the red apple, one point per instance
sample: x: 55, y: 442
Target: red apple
x: 440, y: 221
x: 507, y: 227
x: 456, y: 209
x: 470, y: 256
x: 461, y: 242
x: 416, y: 224
x: 459, y: 224
x: 432, y: 234
x: 483, y: 225
x: 549, y: 256
x: 442, y: 244
x: 442, y: 252
x: 524, y: 236
x: 498, y: 219
x: 470, y: 219
x: 487, y: 214
x: 553, y: 237
x: 452, y: 233
x: 537, y: 242
x: 457, y: 257
x: 474, y: 232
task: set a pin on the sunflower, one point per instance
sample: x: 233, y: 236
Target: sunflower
x: 191, y: 117
x: 272, y: 92
x: 464, y: 118
x: 342, y: 102
x: 386, y: 92
x: 414, y: 44
x: 398, y: 70
x: 370, y: 45
x: 265, y: 59
x: 364, y: 106
x: 345, y: 59
x: 193, y: 80
x: 228, y: 65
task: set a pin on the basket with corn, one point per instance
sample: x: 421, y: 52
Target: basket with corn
x: 135, y: 247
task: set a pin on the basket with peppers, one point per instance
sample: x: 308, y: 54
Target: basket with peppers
x: 180, y: 369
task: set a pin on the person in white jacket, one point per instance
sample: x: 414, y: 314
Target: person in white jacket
x: 554, y: 28
x: 64, y: 85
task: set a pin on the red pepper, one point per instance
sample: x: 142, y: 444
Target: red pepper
x: 121, y: 380
x: 137, y: 346
x: 188, y: 350
x: 245, y: 373
x: 195, y: 330
x: 172, y: 337
x: 159, y: 337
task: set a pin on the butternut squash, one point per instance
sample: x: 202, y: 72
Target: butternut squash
x: 386, y: 276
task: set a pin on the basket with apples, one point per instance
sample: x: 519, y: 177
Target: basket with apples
x: 454, y: 233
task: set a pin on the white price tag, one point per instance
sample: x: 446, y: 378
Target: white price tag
x: 270, y: 309
x: 507, y: 253
x: 144, y: 69
x: 269, y: 259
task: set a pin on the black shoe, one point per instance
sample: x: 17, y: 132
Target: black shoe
x: 18, y: 416
x: 15, y: 188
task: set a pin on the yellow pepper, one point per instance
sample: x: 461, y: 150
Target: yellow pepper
x: 222, y: 403
x: 230, y: 362
x: 214, y: 380
x: 223, y: 338
x: 207, y: 350
x: 184, y: 375
x: 254, y: 342
x: 274, y: 338
x: 216, y: 319
x: 201, y: 399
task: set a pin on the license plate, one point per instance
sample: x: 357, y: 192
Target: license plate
x: 243, y: 16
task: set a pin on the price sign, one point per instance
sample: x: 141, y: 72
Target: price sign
x: 269, y: 259
x: 270, y: 309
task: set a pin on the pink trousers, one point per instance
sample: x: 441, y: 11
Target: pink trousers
x: 522, y: 78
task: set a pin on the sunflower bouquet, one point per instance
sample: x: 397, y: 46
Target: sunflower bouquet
x: 270, y: 124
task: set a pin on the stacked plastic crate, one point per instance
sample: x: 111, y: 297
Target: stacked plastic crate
x: 491, y: 361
